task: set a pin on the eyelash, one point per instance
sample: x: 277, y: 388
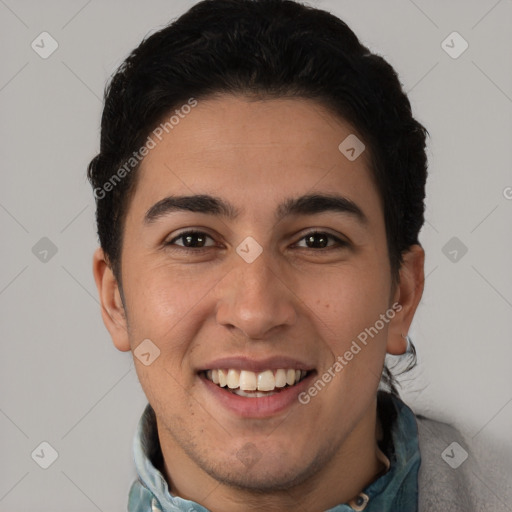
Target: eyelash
x: 340, y: 243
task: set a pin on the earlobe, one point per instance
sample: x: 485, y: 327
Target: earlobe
x: 397, y: 345
x: 112, y: 308
x: 408, y: 295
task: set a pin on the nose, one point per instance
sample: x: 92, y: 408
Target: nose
x: 255, y: 299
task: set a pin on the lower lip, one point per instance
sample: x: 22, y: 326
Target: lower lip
x: 259, y: 407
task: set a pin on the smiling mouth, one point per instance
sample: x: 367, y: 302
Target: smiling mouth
x: 255, y: 384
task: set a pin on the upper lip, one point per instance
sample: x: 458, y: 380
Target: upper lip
x: 257, y: 365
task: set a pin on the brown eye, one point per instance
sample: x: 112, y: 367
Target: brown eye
x: 191, y: 240
x: 320, y: 240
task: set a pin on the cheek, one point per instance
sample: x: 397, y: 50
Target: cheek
x: 168, y: 307
x: 162, y: 299
x: 347, y: 299
x: 347, y: 311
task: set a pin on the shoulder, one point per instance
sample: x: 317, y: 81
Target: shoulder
x: 452, y: 476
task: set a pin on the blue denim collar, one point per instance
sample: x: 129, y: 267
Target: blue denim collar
x: 395, y: 491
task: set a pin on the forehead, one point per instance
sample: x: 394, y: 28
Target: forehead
x: 254, y: 152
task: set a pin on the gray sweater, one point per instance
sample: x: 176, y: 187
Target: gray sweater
x: 448, y: 481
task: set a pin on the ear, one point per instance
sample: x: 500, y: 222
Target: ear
x: 112, y: 309
x: 408, y: 294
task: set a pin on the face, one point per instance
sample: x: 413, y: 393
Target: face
x: 272, y: 275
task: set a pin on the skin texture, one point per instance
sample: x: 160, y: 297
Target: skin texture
x: 294, y: 300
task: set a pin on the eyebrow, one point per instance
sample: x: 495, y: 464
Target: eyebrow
x: 311, y: 204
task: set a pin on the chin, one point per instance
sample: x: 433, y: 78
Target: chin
x: 263, y: 479
x: 263, y: 473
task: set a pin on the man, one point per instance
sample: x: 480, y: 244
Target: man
x: 260, y: 190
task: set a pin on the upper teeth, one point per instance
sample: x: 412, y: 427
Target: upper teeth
x: 246, y: 380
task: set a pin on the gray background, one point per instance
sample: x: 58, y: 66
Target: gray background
x: 61, y: 379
